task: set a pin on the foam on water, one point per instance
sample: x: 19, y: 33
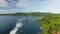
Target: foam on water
x: 18, y: 25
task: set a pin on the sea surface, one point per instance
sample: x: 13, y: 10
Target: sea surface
x: 27, y: 26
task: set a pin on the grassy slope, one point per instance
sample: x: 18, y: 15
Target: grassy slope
x: 50, y: 23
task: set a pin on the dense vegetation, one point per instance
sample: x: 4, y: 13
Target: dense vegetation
x: 50, y: 23
x: 29, y: 14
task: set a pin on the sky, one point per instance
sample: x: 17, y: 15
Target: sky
x: 13, y: 6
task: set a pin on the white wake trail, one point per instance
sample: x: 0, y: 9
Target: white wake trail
x: 18, y: 25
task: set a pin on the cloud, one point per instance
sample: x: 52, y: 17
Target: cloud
x: 21, y: 3
x: 8, y: 11
x: 3, y: 3
x: 34, y: 5
x: 52, y: 6
x: 12, y: 2
x: 43, y: 6
x: 25, y: 3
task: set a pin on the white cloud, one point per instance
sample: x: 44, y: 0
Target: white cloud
x: 21, y: 3
x: 47, y: 6
x: 52, y: 6
x: 8, y: 11
x: 3, y: 3
x: 25, y: 3
x: 35, y: 5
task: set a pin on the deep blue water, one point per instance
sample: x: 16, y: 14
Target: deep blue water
x: 7, y: 23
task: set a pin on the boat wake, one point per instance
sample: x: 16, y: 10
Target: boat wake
x: 18, y: 25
